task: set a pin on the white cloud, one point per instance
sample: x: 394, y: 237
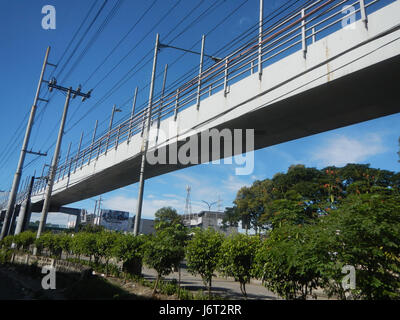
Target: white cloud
x: 233, y: 183
x: 340, y: 150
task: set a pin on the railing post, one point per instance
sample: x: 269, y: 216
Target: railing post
x: 303, y: 34
x: 116, y: 142
x: 83, y: 158
x: 93, y: 139
x: 79, y: 150
x: 363, y: 12
x: 66, y: 159
x: 99, y: 149
x: 108, y: 141
x: 132, y: 114
x: 226, y: 78
x: 203, y: 38
x: 176, y: 104
x: 69, y: 171
x: 144, y: 115
x: 313, y: 34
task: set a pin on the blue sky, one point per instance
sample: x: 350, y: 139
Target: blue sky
x: 23, y: 46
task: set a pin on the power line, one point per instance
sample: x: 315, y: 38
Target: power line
x: 90, y: 43
x: 120, y: 41
x: 119, y: 83
x: 127, y: 75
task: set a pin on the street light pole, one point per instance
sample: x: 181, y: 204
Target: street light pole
x: 145, y: 142
x: 114, y: 109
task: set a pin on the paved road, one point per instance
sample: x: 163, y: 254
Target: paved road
x: 226, y: 287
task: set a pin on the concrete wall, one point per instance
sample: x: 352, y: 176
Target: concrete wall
x: 60, y: 265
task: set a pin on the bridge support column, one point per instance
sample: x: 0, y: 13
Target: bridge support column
x: 13, y: 218
x: 77, y: 222
x: 21, y: 217
x: 25, y: 206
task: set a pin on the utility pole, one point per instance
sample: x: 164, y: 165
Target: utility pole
x: 145, y: 141
x: 53, y: 168
x: 18, y: 173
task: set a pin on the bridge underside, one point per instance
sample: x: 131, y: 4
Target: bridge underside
x: 363, y: 95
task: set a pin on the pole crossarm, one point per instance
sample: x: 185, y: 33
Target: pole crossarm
x: 36, y: 153
x: 53, y: 85
x: 216, y: 59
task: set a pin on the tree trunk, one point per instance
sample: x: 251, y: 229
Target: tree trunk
x: 209, y: 289
x: 179, y: 282
x: 155, y: 286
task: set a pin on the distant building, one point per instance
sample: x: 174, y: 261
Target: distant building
x: 87, y: 218
x: 206, y: 219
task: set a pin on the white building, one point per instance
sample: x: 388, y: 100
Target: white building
x: 206, y: 219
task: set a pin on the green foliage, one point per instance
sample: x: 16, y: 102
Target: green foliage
x: 367, y: 237
x: 91, y: 228
x: 303, y: 194
x: 231, y: 217
x: 166, y: 217
x: 164, y: 251
x: 202, y: 254
x: 5, y: 256
x: 7, y: 241
x: 236, y: 258
x: 84, y: 243
x: 292, y: 260
x: 24, y: 240
x: 50, y: 242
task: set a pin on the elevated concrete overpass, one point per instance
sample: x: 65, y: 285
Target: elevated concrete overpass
x: 322, y: 82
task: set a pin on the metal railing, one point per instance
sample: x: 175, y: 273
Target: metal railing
x: 290, y: 35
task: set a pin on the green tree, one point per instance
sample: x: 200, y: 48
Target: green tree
x: 166, y: 217
x: 65, y: 242
x: 368, y: 229
x: 164, y: 251
x: 231, y: 217
x: 237, y: 256
x: 50, y: 242
x: 104, y: 246
x: 84, y: 243
x: 24, y: 240
x: 129, y: 249
x: 202, y: 254
x: 288, y: 263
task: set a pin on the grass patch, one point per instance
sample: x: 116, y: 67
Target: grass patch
x: 97, y: 288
